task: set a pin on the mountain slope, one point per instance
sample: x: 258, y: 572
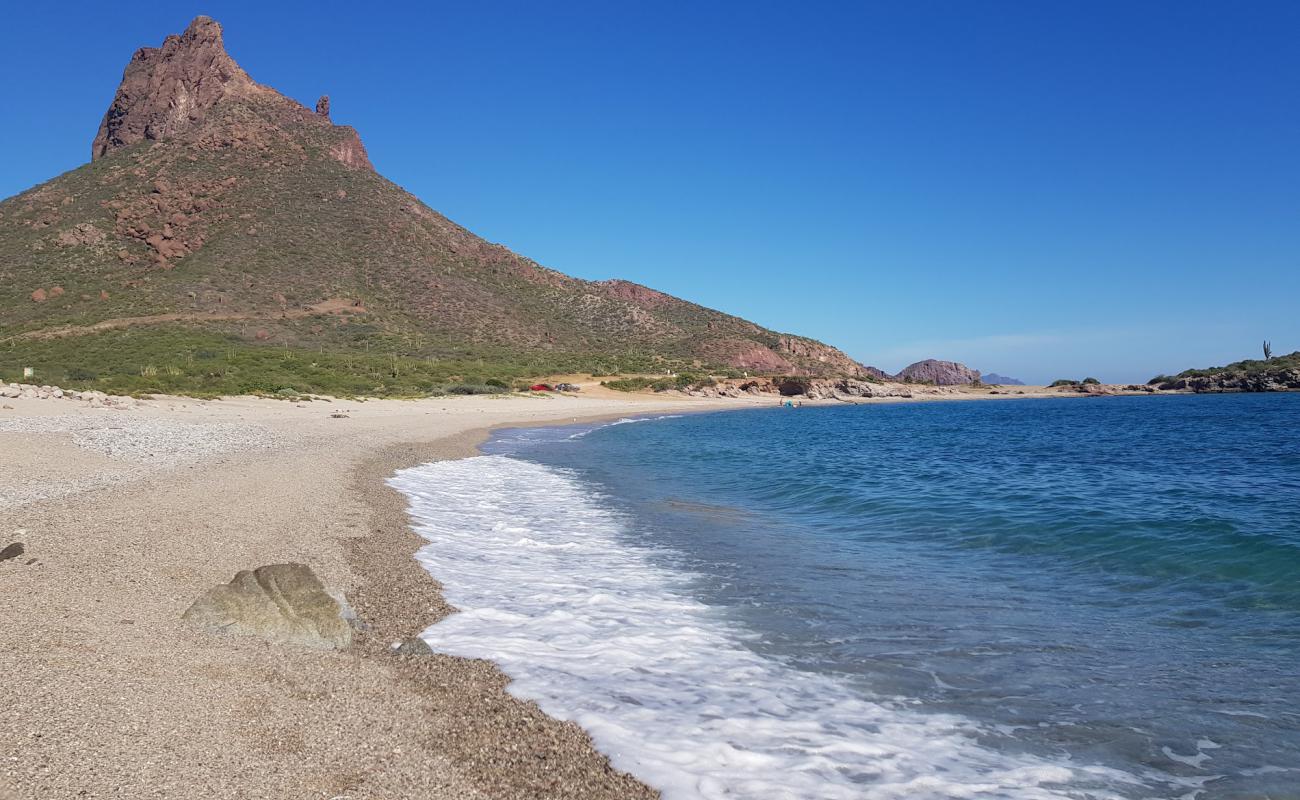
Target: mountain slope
x: 221, y: 207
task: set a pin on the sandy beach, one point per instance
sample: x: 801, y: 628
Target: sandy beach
x: 127, y: 514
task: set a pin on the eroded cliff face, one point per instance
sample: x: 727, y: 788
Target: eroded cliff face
x: 178, y: 90
x: 834, y: 360
x: 166, y: 90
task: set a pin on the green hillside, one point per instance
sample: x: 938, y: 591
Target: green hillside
x: 256, y: 231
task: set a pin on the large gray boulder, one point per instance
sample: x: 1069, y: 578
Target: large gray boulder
x: 282, y: 603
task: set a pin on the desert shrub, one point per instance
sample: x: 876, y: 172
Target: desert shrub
x: 1062, y: 382
x: 681, y: 381
x: 473, y: 388
x: 629, y: 384
x: 1092, y: 381
x: 209, y: 360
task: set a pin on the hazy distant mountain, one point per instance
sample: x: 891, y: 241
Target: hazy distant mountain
x: 994, y: 379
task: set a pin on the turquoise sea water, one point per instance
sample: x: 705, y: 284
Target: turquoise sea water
x: 1108, y: 588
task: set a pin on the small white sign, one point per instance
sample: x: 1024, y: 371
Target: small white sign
x: 29, y: 372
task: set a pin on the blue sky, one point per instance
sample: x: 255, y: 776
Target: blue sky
x: 1041, y: 189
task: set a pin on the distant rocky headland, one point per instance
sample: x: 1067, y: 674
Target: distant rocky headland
x: 994, y: 379
x: 1270, y: 374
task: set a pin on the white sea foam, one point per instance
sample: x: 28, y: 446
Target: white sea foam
x: 595, y: 631
x: 623, y: 421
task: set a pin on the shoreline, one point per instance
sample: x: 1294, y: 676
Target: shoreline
x: 399, y: 599
x: 107, y: 691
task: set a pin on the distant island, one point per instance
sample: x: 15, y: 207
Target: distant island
x: 994, y: 379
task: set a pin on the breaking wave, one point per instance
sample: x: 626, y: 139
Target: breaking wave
x: 594, y: 629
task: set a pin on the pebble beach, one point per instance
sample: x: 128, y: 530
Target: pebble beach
x: 126, y: 511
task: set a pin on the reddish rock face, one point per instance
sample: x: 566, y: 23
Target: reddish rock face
x: 635, y: 293
x: 351, y: 153
x: 171, y: 91
x: 760, y: 359
x: 165, y: 90
x: 39, y: 296
x: 940, y: 373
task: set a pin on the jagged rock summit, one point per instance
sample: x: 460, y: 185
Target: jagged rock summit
x: 167, y: 89
x: 224, y: 214
x: 170, y: 91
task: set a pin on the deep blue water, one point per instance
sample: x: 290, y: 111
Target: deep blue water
x: 1113, y: 582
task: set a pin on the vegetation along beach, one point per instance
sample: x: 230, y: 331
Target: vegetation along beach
x: 309, y: 491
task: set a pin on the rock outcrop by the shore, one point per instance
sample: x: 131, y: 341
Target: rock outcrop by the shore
x: 1281, y: 380
x: 847, y: 389
x: 28, y: 391
x: 1272, y: 374
x: 282, y: 603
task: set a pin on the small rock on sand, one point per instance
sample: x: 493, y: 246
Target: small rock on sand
x: 415, y: 646
x: 283, y: 603
x: 12, y: 551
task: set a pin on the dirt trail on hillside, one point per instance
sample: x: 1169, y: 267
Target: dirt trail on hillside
x: 335, y: 305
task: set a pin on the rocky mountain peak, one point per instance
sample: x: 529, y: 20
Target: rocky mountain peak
x: 940, y: 373
x: 219, y: 208
x: 169, y: 88
x: 174, y: 91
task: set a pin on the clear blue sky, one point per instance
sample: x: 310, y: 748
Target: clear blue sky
x: 1040, y: 189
